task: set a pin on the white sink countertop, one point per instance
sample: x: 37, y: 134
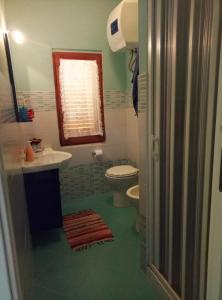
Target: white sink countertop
x: 48, y: 159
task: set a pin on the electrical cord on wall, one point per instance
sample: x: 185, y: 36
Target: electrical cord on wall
x: 132, y: 59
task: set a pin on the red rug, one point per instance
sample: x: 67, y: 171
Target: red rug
x: 86, y: 228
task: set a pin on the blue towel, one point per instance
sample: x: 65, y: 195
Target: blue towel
x: 135, y: 83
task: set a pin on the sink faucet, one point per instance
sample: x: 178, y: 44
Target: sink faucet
x: 36, y: 145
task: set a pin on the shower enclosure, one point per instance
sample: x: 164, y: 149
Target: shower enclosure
x: 183, y: 66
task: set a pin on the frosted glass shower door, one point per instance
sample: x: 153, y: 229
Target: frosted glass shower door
x: 183, y: 59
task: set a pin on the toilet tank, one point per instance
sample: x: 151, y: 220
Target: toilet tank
x: 122, y: 26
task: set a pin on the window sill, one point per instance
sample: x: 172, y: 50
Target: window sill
x: 82, y: 140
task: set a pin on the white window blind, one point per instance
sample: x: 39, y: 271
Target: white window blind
x: 80, y: 98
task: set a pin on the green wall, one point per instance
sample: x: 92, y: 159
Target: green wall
x: 129, y: 74
x: 66, y: 24
x: 143, y: 34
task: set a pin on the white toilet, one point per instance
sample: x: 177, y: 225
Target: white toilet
x: 121, y: 178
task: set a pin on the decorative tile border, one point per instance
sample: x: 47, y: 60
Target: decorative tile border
x: 142, y: 89
x: 7, y: 111
x: 114, y: 99
x: 38, y: 100
x: 45, y: 100
x: 86, y: 179
x: 7, y: 115
x: 129, y: 99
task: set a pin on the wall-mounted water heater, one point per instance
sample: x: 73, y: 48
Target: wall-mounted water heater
x: 122, y: 26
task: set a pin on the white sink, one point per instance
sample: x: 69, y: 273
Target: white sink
x: 48, y: 159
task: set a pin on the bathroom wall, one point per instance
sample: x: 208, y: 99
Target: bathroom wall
x: 143, y: 129
x: 143, y: 108
x: 13, y: 214
x: 131, y: 118
x: 68, y: 25
x: 132, y: 138
x: 71, y: 25
x: 60, y: 25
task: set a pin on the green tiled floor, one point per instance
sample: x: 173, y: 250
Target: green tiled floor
x: 102, y: 272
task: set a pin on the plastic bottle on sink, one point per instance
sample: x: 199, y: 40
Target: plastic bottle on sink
x: 29, y: 153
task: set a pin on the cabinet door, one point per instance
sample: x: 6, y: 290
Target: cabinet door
x: 43, y: 199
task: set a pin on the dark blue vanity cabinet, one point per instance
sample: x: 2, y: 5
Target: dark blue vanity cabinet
x: 43, y: 200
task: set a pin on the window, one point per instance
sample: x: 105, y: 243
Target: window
x: 79, y: 97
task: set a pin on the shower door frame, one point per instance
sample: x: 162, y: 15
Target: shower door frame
x: 153, y: 121
x: 214, y: 276
x: 153, y: 151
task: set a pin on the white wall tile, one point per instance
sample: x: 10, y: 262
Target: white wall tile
x: 115, y: 126
x: 132, y: 136
x: 45, y: 126
x: 143, y: 179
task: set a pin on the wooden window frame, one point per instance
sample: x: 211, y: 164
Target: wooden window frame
x: 56, y: 56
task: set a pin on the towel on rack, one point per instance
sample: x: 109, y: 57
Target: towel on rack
x: 135, y: 83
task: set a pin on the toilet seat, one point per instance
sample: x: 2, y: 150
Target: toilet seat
x: 121, y: 171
